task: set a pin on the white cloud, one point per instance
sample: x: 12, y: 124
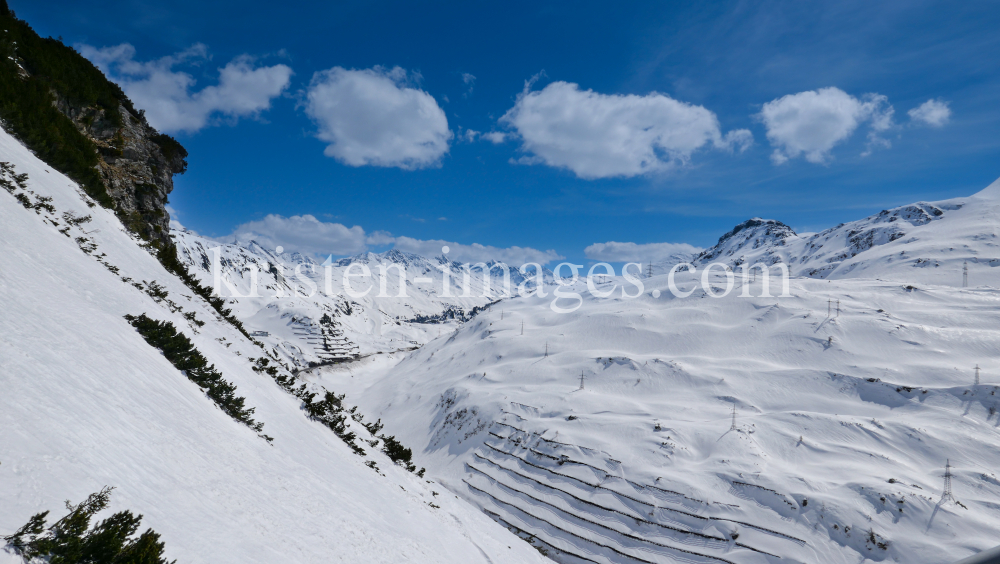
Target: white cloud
x: 932, y: 112
x: 379, y: 238
x: 371, y: 117
x: 515, y: 256
x: 303, y: 233
x: 495, y: 137
x: 811, y: 123
x: 599, y: 135
x: 243, y: 90
x: 308, y: 235
x: 614, y: 251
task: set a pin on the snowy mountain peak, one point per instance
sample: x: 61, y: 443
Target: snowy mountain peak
x: 752, y: 234
x: 392, y: 256
x: 926, y: 242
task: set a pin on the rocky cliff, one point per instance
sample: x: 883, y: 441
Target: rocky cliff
x: 136, y: 163
x: 63, y: 108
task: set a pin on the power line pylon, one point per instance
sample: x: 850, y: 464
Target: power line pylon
x: 581, y: 380
x: 733, y: 426
x: 977, y: 374
x: 965, y: 274
x: 947, y: 495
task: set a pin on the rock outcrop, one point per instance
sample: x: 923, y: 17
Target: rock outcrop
x: 137, y: 165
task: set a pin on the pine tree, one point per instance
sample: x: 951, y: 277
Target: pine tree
x: 71, y: 540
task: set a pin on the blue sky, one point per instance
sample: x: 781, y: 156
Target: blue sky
x: 591, y: 123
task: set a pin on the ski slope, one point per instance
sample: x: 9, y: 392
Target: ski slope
x: 86, y: 403
x: 849, y: 397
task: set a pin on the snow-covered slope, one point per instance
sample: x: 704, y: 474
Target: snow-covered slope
x: 850, y: 396
x: 293, y: 295
x: 85, y: 402
x: 918, y: 243
x: 834, y: 440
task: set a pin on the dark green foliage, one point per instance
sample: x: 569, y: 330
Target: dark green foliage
x: 43, y: 203
x: 72, y: 219
x: 374, y: 428
x: 71, y: 540
x: 20, y: 181
x: 397, y: 452
x: 191, y: 318
x: 180, y: 351
x: 26, y: 103
x: 156, y: 291
x: 329, y: 411
x: 172, y: 150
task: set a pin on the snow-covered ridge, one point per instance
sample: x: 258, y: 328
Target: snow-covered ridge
x: 922, y: 242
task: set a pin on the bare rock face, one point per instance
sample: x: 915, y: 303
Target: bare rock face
x: 137, y: 165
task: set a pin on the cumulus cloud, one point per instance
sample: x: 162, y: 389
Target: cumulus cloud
x: 308, y: 235
x: 303, y: 233
x: 243, y: 89
x: 600, y: 135
x: 373, y: 117
x: 614, y: 251
x: 475, y: 252
x: 811, y: 123
x: 932, y: 112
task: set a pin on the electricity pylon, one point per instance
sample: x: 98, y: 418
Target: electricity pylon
x: 947, y: 495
